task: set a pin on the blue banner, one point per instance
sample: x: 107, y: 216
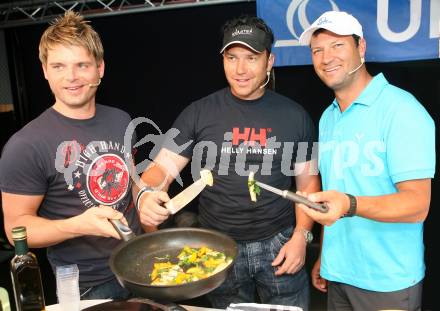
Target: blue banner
x: 395, y: 30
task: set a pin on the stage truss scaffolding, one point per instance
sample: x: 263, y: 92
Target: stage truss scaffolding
x: 21, y: 12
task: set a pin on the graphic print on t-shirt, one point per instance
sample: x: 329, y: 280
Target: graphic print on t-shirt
x: 249, y: 136
x: 97, y: 172
x: 108, y: 179
x: 249, y: 140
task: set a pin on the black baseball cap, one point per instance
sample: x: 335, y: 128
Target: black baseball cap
x: 250, y: 36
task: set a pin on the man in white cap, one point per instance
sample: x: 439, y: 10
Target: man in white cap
x: 376, y: 159
x: 241, y: 128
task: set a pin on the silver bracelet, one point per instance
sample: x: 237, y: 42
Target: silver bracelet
x: 143, y: 190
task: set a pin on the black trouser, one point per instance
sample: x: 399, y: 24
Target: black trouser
x: 343, y: 297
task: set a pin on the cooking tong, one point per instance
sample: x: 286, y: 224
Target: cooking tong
x: 289, y: 195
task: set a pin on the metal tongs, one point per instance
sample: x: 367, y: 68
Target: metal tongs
x: 289, y: 195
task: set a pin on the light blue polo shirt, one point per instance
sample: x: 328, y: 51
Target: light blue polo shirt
x: 384, y: 137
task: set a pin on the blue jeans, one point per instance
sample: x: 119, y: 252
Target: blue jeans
x: 108, y: 290
x: 253, y: 273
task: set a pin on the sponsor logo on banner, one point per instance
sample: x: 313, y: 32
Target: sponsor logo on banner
x: 395, y: 30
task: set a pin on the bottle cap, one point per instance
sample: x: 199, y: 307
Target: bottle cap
x: 19, y: 233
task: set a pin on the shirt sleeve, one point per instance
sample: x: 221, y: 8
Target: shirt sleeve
x: 310, y: 137
x: 21, y: 169
x: 181, y: 137
x: 410, y: 143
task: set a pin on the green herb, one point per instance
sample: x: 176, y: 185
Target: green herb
x: 253, y: 187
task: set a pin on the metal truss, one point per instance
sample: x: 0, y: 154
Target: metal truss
x: 21, y: 12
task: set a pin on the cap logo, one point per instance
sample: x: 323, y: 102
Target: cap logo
x: 242, y: 32
x: 323, y: 20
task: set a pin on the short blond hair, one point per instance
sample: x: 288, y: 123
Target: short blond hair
x: 71, y: 29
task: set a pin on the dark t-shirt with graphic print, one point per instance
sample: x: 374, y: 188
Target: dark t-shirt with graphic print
x: 75, y: 164
x: 232, y: 137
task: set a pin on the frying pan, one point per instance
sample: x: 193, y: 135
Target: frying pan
x: 132, y: 261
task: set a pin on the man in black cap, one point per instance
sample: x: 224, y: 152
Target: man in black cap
x: 234, y: 131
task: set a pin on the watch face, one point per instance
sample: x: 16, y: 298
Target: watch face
x: 309, y: 236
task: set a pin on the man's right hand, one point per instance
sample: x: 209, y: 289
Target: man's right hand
x: 95, y: 221
x: 151, y: 210
x: 318, y: 282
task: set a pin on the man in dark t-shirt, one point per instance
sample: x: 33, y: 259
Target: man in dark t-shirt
x: 232, y: 132
x: 66, y: 173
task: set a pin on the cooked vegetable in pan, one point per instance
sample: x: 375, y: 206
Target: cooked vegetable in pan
x: 193, y: 264
x: 254, y: 190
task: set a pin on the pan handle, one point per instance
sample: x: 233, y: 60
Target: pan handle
x: 124, y: 231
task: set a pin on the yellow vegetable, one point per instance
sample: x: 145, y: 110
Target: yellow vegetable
x: 162, y: 265
x: 181, y: 278
x: 193, y: 257
x: 212, y: 263
x: 154, y: 274
x: 202, y: 251
x: 199, y: 263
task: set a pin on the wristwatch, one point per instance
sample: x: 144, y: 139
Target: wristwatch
x: 308, y: 236
x: 353, y: 206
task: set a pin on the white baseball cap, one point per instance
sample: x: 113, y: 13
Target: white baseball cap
x: 340, y: 23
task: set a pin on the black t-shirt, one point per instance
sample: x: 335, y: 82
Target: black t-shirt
x: 232, y: 137
x: 75, y: 164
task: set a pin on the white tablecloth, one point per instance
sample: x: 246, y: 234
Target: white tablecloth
x: 83, y: 304
x: 88, y: 303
